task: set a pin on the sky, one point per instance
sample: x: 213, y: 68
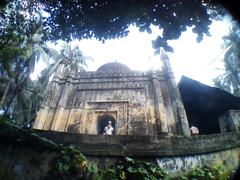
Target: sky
x: 199, y: 61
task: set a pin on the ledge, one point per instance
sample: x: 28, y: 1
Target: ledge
x: 122, y: 145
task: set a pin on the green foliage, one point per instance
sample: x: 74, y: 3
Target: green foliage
x: 20, y: 50
x: 133, y: 169
x: 12, y: 134
x: 230, y: 79
x: 3, y: 3
x: 107, y: 19
x: 18, y: 94
x: 10, y: 51
x: 215, y: 171
x: 21, y: 97
x: 73, y: 56
x: 21, y: 16
x: 70, y: 162
x: 141, y: 170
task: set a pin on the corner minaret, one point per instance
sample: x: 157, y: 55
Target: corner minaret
x: 179, y: 110
x: 51, y: 99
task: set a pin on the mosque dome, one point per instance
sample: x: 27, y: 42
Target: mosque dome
x: 113, y: 67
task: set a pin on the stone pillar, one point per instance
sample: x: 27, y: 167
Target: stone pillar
x: 179, y: 110
x: 159, y: 106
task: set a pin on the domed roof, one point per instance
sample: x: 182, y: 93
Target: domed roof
x: 113, y: 67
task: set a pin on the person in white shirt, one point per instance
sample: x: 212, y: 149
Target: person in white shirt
x: 108, y: 130
x: 194, y: 130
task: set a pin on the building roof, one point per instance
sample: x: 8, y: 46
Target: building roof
x: 113, y: 67
x: 205, y: 104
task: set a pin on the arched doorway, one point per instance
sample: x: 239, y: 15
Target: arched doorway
x: 103, y: 122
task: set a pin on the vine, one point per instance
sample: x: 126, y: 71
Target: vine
x: 70, y: 162
x: 129, y: 168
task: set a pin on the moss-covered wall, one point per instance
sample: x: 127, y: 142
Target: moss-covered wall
x: 26, y: 155
x: 180, y: 165
x: 23, y: 163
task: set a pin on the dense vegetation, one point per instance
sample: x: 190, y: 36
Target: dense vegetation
x: 111, y: 19
x: 21, y: 96
x: 106, y: 19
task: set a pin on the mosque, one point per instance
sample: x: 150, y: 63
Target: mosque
x: 134, y: 102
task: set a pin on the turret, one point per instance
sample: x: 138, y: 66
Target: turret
x: 179, y: 110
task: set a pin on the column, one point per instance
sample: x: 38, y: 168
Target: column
x: 159, y: 106
x: 179, y: 110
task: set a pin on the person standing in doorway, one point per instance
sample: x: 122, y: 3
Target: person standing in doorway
x: 108, y: 130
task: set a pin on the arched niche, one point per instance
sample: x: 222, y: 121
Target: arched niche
x: 102, y: 122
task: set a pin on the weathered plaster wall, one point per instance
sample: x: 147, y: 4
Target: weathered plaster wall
x: 155, y: 146
x: 230, y: 121
x: 21, y: 163
x: 182, y: 164
x: 23, y: 160
x: 23, y: 155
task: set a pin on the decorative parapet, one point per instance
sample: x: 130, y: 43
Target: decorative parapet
x: 91, y: 77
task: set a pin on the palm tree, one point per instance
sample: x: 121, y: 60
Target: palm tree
x: 76, y: 60
x: 76, y: 63
x: 20, y: 97
x: 17, y: 87
x: 230, y: 80
x: 17, y: 61
x: 37, y: 49
x: 20, y: 50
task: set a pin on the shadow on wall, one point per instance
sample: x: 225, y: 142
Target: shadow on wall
x: 74, y: 128
x: 205, y: 104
